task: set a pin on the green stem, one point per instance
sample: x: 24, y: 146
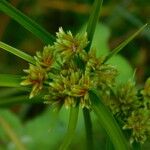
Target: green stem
x: 11, y: 134
x: 17, y: 52
x: 93, y: 19
x: 136, y: 146
x: 88, y: 128
x: 108, y: 122
x: 109, y: 145
x: 71, y: 128
x: 26, y: 22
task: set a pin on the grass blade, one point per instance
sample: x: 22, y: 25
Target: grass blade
x: 71, y: 128
x: 10, y: 80
x: 109, y: 145
x: 6, y: 92
x: 93, y: 21
x: 88, y: 128
x: 17, y: 52
x: 123, y: 44
x: 26, y: 22
x: 23, y: 99
x: 108, y: 122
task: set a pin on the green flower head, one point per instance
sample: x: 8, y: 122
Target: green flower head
x: 36, y: 77
x: 71, y: 87
x: 67, y: 45
x: 139, y: 123
x: 46, y: 58
x: 122, y: 99
x: 146, y: 90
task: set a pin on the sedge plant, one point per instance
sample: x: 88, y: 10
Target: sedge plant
x: 68, y: 73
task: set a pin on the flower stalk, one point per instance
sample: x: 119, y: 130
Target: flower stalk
x: 73, y: 118
x: 88, y: 129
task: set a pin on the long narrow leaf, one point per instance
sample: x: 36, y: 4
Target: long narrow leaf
x: 23, y: 99
x: 26, y: 22
x: 17, y: 52
x: 10, y: 80
x: 123, y: 44
x: 73, y: 118
x: 108, y: 122
x: 6, y: 92
x: 93, y: 21
x: 109, y: 145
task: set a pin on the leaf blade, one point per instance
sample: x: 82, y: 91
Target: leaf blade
x: 7, y: 80
x: 17, y: 52
x: 108, y: 122
x: 93, y: 19
x: 23, y: 99
x: 123, y: 44
x: 26, y: 22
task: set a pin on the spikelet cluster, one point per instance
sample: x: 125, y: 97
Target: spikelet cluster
x: 67, y: 73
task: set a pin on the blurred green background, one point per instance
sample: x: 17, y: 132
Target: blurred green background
x: 118, y: 20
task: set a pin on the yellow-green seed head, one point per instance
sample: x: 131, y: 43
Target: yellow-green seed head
x: 36, y: 77
x: 67, y: 45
